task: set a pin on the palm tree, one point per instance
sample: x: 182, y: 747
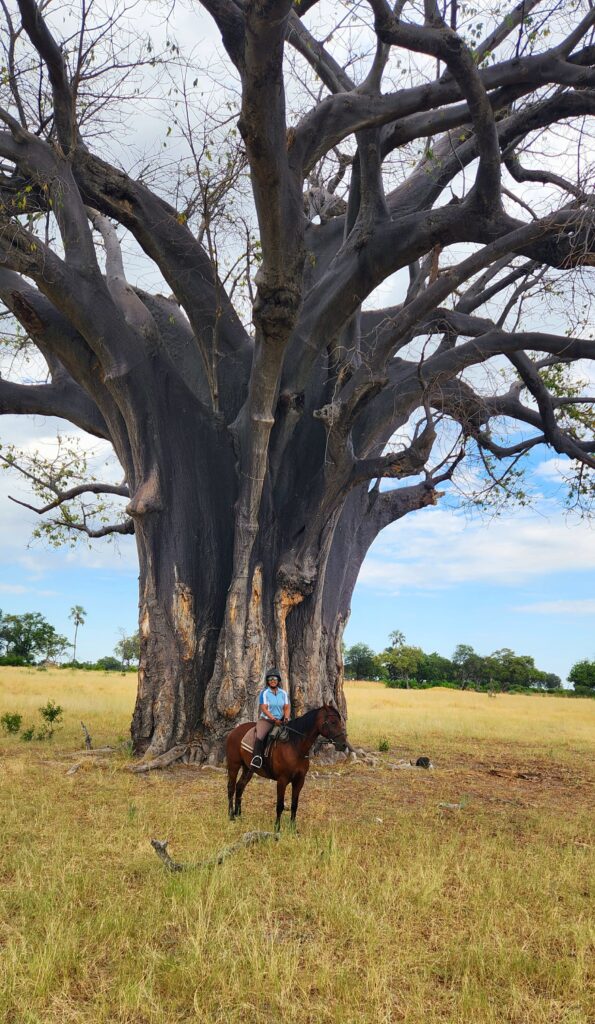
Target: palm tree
x: 397, y: 638
x: 77, y: 614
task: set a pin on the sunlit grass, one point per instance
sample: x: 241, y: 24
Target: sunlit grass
x: 455, y: 719
x: 385, y: 907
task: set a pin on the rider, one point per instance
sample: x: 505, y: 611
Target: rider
x: 273, y: 710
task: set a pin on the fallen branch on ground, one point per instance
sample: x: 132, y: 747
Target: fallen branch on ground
x: 248, y: 839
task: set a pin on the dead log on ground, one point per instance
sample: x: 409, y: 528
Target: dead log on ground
x: 248, y: 839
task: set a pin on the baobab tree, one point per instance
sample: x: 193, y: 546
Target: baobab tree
x: 441, y: 141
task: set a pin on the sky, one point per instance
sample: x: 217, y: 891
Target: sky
x: 442, y: 576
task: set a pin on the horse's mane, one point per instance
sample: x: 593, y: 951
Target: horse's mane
x: 304, y: 723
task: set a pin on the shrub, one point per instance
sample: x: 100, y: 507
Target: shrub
x: 11, y: 722
x: 28, y: 734
x: 383, y: 745
x: 52, y: 716
x: 581, y: 691
x: 109, y: 664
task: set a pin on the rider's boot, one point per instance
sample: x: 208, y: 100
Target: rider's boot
x: 257, y: 754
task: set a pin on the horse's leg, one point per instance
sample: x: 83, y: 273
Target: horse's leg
x: 296, y: 788
x: 232, y: 774
x: 242, y: 783
x: 281, y: 787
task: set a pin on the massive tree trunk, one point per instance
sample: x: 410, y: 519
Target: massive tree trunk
x: 202, y: 661
x: 208, y: 637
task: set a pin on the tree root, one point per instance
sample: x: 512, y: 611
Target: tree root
x: 248, y: 839
x: 162, y: 761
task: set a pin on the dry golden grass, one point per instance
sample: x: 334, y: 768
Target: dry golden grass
x: 385, y: 907
x: 551, y: 725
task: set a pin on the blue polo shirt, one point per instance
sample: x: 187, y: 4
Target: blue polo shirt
x: 274, y: 701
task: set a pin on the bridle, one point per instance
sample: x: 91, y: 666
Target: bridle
x: 324, y: 731
x: 328, y: 735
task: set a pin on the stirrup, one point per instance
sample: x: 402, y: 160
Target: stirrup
x: 256, y: 761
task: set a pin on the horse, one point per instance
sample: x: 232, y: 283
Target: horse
x: 288, y: 761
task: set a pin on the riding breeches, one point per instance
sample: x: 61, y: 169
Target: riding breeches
x: 263, y: 728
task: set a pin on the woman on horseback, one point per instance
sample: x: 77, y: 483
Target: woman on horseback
x: 273, y: 710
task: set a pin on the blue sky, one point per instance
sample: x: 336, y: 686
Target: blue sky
x: 524, y: 580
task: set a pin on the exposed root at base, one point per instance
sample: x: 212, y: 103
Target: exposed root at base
x: 248, y: 839
x: 184, y: 753
x: 162, y: 761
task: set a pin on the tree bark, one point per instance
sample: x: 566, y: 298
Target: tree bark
x: 182, y: 508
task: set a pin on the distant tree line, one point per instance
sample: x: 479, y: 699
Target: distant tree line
x: 403, y: 665
x: 29, y: 639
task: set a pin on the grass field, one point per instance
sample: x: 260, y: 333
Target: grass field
x: 384, y: 907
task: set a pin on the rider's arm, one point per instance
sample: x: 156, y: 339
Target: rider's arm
x: 286, y: 710
x: 268, y: 714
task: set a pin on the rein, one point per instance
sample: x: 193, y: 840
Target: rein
x: 296, y: 732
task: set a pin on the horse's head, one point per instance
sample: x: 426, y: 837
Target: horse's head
x: 332, y: 727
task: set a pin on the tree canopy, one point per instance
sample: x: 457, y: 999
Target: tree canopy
x: 224, y: 311
x: 582, y: 675
x: 23, y: 638
x: 502, y: 670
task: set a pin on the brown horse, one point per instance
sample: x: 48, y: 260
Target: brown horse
x: 288, y: 761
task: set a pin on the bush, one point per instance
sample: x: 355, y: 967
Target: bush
x: 383, y: 745
x: 581, y: 691
x: 109, y: 664
x: 11, y: 722
x: 52, y: 716
x: 14, y: 659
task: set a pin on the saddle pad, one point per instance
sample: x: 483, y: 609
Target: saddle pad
x: 248, y: 740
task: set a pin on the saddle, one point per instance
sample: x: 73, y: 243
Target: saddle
x: 277, y: 734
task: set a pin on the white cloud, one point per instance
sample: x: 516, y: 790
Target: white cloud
x: 438, y: 549
x: 555, y: 469
x: 580, y: 606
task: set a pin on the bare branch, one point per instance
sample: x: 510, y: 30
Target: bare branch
x: 73, y: 492
x: 49, y: 51
x: 65, y: 400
